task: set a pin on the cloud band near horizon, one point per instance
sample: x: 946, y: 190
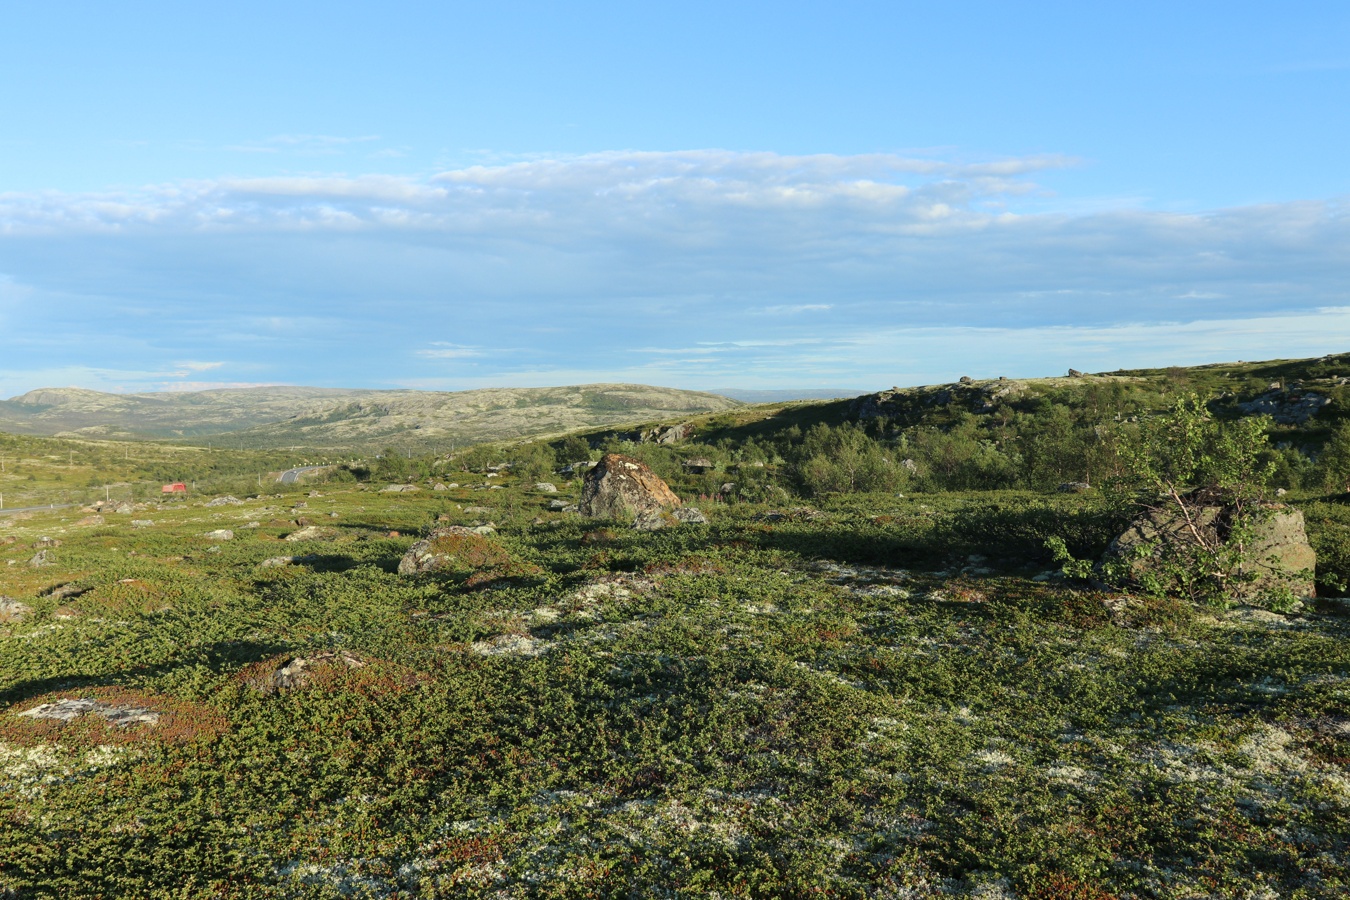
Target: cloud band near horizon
x: 629, y: 262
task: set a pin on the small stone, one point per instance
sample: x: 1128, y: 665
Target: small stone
x: 142, y: 523
x: 546, y: 487
x: 225, y: 501
x: 40, y: 559
x: 276, y: 562
x: 221, y: 534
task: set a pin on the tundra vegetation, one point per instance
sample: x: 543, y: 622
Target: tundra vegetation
x: 866, y: 676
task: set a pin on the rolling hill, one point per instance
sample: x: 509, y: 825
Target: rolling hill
x: 335, y: 418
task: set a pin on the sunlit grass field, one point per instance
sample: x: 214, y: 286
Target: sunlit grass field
x: 857, y: 700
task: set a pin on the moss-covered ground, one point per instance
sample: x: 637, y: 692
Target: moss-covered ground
x: 868, y: 699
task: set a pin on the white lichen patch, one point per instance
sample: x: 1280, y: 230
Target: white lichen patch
x: 25, y: 763
x: 994, y: 759
x: 1076, y: 776
x: 510, y: 645
x: 1268, y: 753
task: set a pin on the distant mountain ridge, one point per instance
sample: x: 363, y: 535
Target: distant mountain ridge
x: 337, y: 418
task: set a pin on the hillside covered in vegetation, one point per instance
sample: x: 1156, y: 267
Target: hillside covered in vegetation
x: 866, y: 674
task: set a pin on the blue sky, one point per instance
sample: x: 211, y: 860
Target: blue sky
x: 754, y: 195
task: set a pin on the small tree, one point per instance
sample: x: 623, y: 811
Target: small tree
x: 1334, y: 462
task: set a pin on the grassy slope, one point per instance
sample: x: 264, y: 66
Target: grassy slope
x: 746, y: 708
x: 36, y: 470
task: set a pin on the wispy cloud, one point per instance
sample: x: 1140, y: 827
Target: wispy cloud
x: 443, y: 350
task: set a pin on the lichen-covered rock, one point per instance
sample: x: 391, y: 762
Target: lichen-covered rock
x: 310, y: 533
x: 620, y: 487
x: 453, y: 548
x: 1278, y: 556
x: 221, y: 534
x: 12, y: 610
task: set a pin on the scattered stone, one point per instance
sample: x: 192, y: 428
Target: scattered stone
x: 399, y: 489
x: 245, y: 525
x: 546, y: 487
x: 40, y: 559
x: 42, y: 542
x: 143, y: 523
x: 90, y: 520
x: 728, y: 487
x: 300, y: 504
x: 654, y: 520
x: 277, y: 562
x: 1286, y: 407
x: 1074, y: 373
x: 220, y: 534
x: 620, y: 486
x: 1074, y: 487
x: 70, y: 709
x: 68, y: 590
x: 439, y: 487
x: 665, y: 434
x: 8, y: 539
x: 966, y: 379
x: 12, y: 610
x: 557, y: 505
x: 315, y: 494
x: 225, y: 501
x: 698, y: 465
x: 289, y: 673
x: 453, y: 484
x: 479, y: 510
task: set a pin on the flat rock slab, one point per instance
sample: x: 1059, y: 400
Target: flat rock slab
x: 71, y: 709
x: 222, y: 534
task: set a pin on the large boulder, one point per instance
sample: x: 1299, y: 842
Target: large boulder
x: 620, y: 487
x: 453, y: 548
x: 1278, y: 556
